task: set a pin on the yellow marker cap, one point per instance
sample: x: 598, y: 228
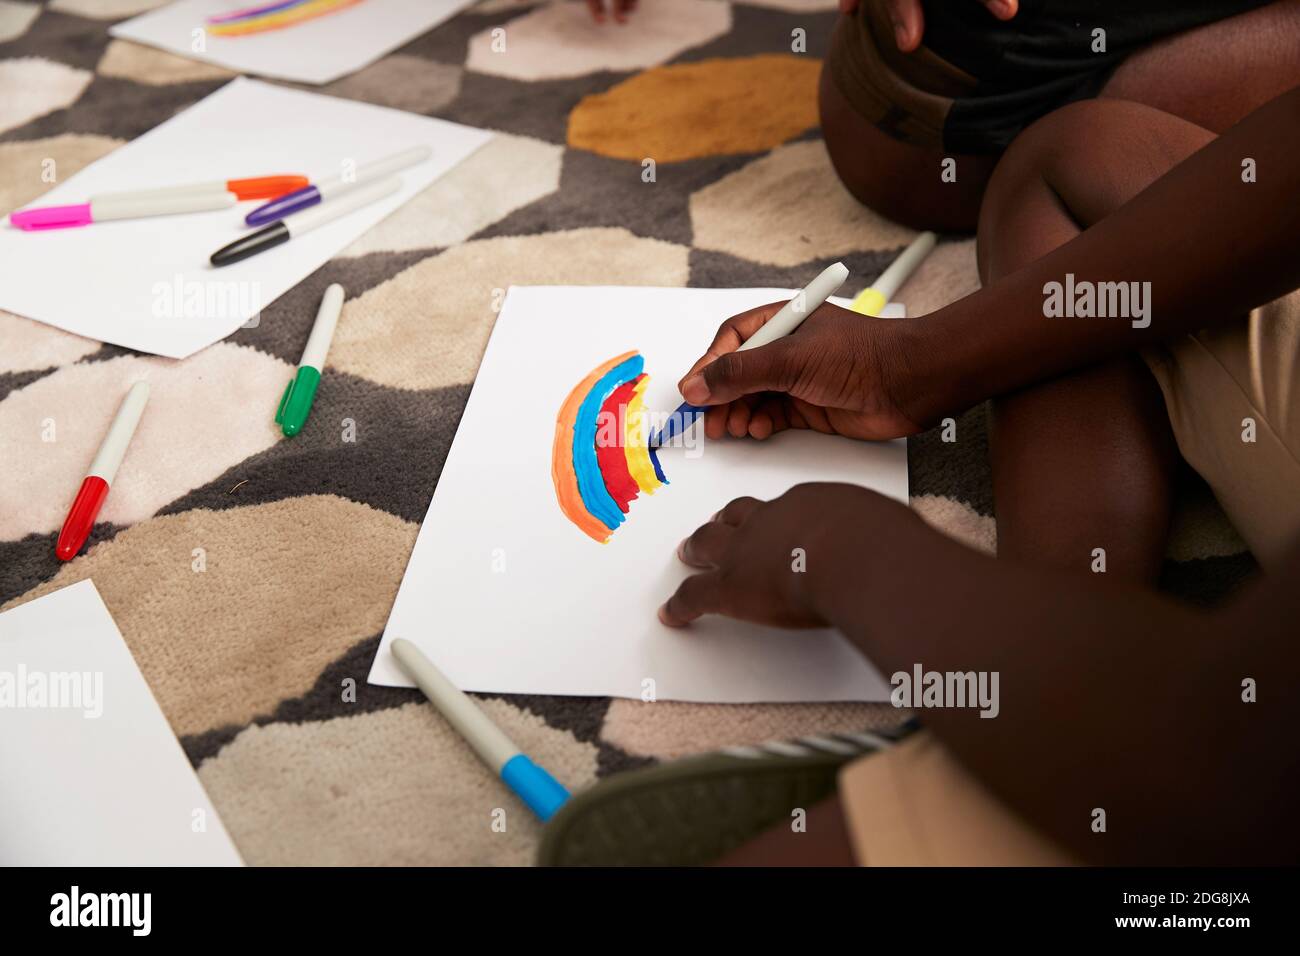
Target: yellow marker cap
x: 869, y: 302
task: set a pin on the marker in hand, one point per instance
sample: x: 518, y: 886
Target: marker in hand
x: 783, y: 323
x: 94, y: 488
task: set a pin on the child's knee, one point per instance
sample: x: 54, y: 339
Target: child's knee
x: 1095, y: 155
x: 1071, y: 169
x: 901, y: 181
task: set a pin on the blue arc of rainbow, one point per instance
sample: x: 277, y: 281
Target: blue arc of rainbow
x: 600, y: 461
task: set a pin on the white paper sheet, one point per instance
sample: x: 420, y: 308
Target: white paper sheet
x: 146, y: 283
x: 506, y: 595
x: 83, y: 790
x: 314, y: 51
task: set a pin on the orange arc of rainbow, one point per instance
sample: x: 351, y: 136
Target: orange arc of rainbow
x: 562, y: 473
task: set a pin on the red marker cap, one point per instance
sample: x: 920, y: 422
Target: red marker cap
x: 94, y: 488
x: 81, y: 517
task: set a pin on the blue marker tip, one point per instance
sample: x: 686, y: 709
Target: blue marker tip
x: 678, y: 421
x: 543, y: 794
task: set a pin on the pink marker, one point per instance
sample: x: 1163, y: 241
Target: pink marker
x: 119, y: 207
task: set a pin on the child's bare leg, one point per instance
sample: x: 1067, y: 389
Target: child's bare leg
x: 896, y: 179
x: 1084, y: 461
x: 1218, y: 73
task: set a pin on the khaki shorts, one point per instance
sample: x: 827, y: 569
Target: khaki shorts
x: 914, y: 805
x: 1226, y: 386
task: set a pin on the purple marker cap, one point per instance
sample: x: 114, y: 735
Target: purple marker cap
x: 282, y: 206
x: 52, y: 217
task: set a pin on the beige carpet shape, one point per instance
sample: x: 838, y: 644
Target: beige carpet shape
x: 33, y: 86
x: 144, y: 64
x: 30, y: 168
x: 947, y: 274
x: 959, y: 521
x: 505, y: 174
x: 670, y: 729
x: 391, y: 788
x: 15, y: 18
x: 30, y: 345
x: 105, y: 9
x: 788, y: 208
x: 427, y: 326
x: 186, y: 437
x: 258, y: 623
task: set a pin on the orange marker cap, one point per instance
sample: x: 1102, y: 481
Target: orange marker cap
x: 265, y: 187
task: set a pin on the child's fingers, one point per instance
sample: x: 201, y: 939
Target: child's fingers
x: 737, y: 510
x: 780, y: 420
x: 1003, y: 9
x: 733, y: 333
x: 715, y: 421
x: 705, y: 547
x: 699, y: 594
x: 814, y: 417
x: 769, y: 417
x: 738, y: 420
x: 760, y: 424
x: 908, y: 22
x: 597, y: 8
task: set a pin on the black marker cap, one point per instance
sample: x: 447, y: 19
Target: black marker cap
x: 251, y: 244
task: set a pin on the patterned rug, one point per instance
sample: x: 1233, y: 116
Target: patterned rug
x: 251, y: 575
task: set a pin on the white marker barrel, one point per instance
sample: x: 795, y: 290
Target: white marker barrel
x: 492, y: 745
x: 892, y: 279
x: 114, y: 207
x: 369, y: 172
x: 804, y: 304
x: 213, y: 188
x: 119, y: 433
x: 316, y: 216
x: 322, y: 332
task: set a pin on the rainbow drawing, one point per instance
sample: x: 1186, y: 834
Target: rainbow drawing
x: 273, y: 16
x: 600, y: 461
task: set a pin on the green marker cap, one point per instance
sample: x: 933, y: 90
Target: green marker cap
x: 295, y: 403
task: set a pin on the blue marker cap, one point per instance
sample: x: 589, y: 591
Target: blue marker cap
x: 282, y: 206
x: 537, y: 788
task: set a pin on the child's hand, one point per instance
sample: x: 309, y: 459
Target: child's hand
x: 750, y: 570
x: 909, y: 21
x: 619, y: 8
x: 841, y: 373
